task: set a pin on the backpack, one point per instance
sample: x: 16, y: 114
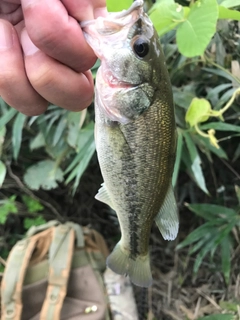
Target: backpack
x: 55, y: 273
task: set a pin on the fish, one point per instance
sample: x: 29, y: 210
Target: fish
x: 135, y: 135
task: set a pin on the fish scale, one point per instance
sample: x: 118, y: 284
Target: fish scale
x: 135, y: 135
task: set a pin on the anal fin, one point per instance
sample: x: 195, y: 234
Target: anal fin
x: 167, y: 218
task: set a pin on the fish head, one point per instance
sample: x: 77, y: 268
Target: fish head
x: 128, y: 47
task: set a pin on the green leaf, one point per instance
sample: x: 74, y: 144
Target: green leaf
x: 221, y: 126
x: 43, y: 174
x: 83, y: 165
x: 198, y: 111
x: 3, y: 172
x: 195, y: 162
x: 221, y: 73
x: 225, y: 13
x: 210, y: 211
x: 59, y: 130
x: 32, y: 204
x: 194, y: 34
x: 113, y: 5
x: 218, y: 317
x: 75, y: 134
x: 207, y: 145
x: 236, y: 153
x: 205, y: 250
x: 184, y: 95
x: 7, y: 117
x: 17, y: 133
x: 229, y: 3
x: 6, y: 207
x: 213, y: 93
x: 85, y: 140
x: 198, y: 234
x: 166, y: 16
x: 228, y: 305
x: 94, y: 69
x: 226, y: 258
x: 38, y: 141
x: 178, y: 158
x: 29, y: 222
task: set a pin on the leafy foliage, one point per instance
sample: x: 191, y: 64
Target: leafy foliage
x: 195, y: 25
x: 221, y: 221
x: 6, y: 207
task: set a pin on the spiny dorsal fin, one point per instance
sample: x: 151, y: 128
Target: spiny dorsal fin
x: 103, y: 196
x: 167, y: 218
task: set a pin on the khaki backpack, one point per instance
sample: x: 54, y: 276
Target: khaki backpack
x: 55, y: 273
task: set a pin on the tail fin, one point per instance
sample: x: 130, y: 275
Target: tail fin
x: 138, y: 269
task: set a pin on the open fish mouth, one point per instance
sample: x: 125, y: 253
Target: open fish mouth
x: 97, y: 31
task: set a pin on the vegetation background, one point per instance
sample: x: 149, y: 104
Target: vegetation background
x: 49, y: 170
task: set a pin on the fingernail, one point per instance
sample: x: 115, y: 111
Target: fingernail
x: 6, y: 37
x: 29, y: 47
x: 27, y: 3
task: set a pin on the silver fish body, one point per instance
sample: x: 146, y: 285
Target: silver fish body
x: 135, y: 135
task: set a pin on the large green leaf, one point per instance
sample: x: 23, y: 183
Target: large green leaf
x: 113, y: 5
x: 166, y: 15
x: 225, y: 13
x: 43, y: 174
x: 195, y: 33
x: 229, y: 3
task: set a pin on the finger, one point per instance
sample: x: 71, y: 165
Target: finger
x: 15, y: 88
x: 60, y: 36
x: 56, y: 82
x: 11, y: 12
x: 85, y: 9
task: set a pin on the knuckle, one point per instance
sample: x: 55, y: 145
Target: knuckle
x: 41, y: 77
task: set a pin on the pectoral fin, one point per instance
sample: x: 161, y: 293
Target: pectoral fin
x: 103, y: 196
x: 167, y: 218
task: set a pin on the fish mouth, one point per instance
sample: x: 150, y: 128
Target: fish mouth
x: 113, y: 23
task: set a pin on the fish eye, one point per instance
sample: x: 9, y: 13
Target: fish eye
x: 141, y: 47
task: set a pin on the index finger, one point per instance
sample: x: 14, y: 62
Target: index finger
x: 86, y: 9
x: 57, y: 33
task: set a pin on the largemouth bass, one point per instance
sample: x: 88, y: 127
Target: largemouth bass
x: 135, y: 135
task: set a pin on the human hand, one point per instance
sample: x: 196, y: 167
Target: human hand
x: 43, y: 54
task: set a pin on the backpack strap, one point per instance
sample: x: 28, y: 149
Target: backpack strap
x: 60, y: 260
x: 14, y: 273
